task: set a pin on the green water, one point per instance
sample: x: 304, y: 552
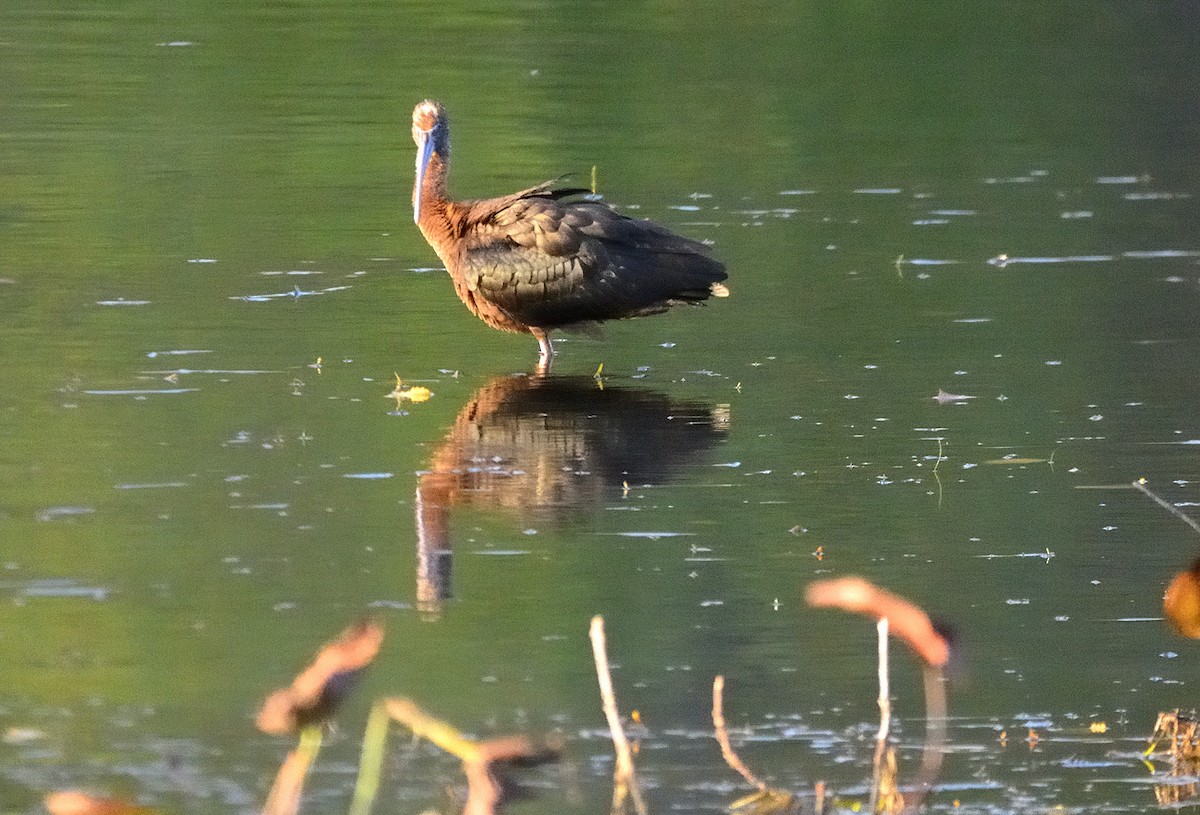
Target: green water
x: 200, y: 201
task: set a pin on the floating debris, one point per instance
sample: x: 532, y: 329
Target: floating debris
x: 140, y: 391
x: 944, y: 398
x: 410, y: 393
x: 54, y: 513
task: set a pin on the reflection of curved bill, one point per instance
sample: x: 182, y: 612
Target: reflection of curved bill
x: 550, y: 446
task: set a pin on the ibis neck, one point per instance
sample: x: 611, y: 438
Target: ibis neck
x: 434, y: 198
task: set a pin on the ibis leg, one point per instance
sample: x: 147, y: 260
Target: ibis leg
x: 545, y: 346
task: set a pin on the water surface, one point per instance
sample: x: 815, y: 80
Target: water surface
x: 210, y: 282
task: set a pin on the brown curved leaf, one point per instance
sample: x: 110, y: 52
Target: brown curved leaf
x: 906, y: 620
x: 320, y: 688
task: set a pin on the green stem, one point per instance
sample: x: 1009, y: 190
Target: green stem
x: 370, y: 764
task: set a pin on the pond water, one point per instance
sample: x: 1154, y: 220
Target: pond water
x: 210, y: 282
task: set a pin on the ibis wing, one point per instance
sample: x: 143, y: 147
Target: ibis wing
x: 549, y: 263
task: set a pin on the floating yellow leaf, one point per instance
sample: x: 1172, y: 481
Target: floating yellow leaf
x: 413, y: 393
x: 416, y: 393
x: 1098, y: 727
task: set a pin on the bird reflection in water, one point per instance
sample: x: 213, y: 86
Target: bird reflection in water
x: 548, y: 447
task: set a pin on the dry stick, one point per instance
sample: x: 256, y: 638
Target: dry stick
x: 624, y: 781
x: 1140, y: 484
x: 885, y: 701
x: 885, y: 710
x: 731, y: 758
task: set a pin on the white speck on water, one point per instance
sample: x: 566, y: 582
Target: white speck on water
x: 140, y: 392
x: 729, y: 464
x: 396, y: 604
x: 1013, y: 601
x: 180, y: 352
x: 1163, y: 253
x: 367, y: 476
x: 121, y: 301
x: 1154, y: 196
x: 53, y: 513
x: 54, y: 588
x: 1054, y: 362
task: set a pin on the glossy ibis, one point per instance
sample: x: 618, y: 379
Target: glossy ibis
x: 534, y: 261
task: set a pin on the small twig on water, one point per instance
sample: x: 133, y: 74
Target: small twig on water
x: 624, y: 781
x: 885, y: 701
x: 885, y: 714
x: 1140, y: 484
x: 718, y: 716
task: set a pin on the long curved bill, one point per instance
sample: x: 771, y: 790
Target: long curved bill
x: 424, y: 152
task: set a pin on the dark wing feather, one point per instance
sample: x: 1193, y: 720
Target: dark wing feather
x: 548, y: 262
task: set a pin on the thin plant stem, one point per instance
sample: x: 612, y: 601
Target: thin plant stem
x: 885, y: 702
x: 624, y: 781
x: 284, y: 797
x: 370, y: 763
x: 718, y: 716
x: 885, y: 713
x: 1140, y: 484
